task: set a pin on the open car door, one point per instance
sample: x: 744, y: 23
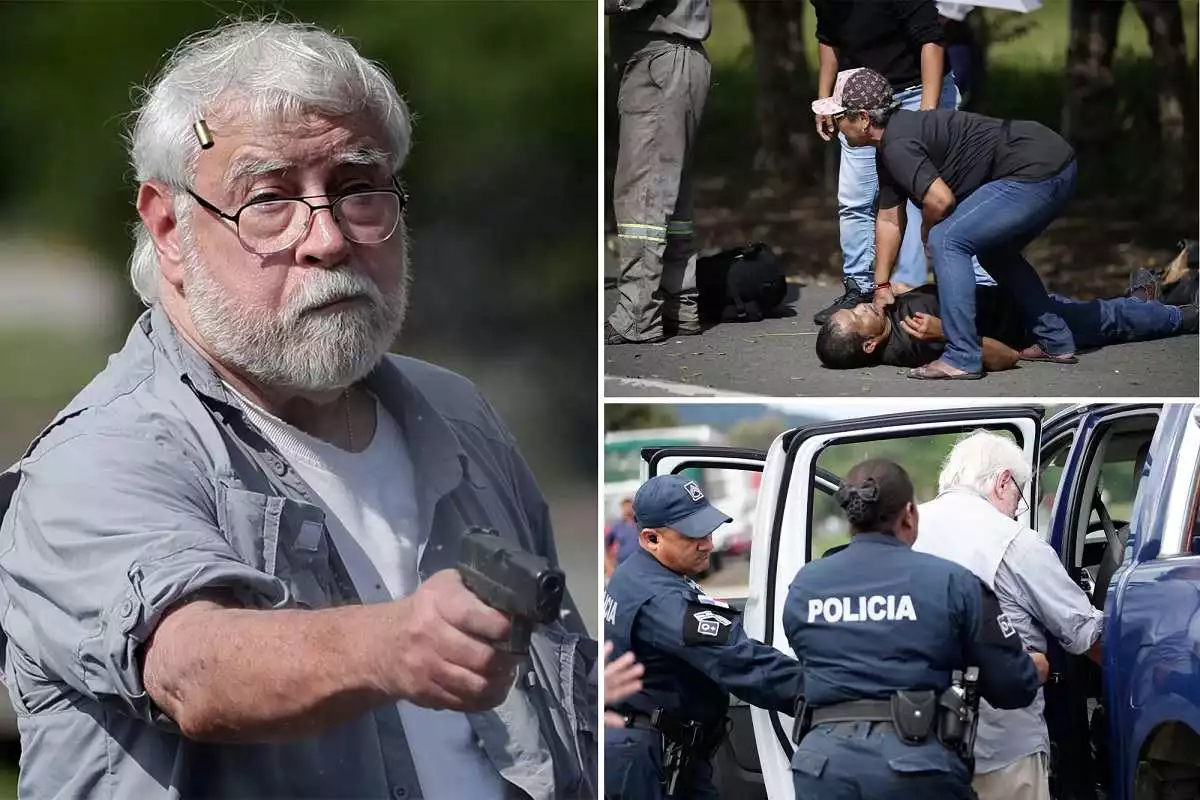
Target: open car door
x: 796, y: 520
x: 1104, y: 449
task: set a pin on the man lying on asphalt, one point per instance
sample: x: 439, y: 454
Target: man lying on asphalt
x: 909, y: 333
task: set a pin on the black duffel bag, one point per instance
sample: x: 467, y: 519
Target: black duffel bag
x: 747, y: 281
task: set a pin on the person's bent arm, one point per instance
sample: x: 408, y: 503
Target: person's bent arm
x: 997, y: 356
x: 937, y: 204
x: 826, y: 75
x: 755, y: 672
x: 1058, y: 603
x: 827, y: 58
x: 1008, y: 676
x: 224, y: 673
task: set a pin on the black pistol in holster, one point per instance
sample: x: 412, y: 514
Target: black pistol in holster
x: 525, y: 587
x: 683, y: 740
x: 801, y: 720
x: 958, y: 715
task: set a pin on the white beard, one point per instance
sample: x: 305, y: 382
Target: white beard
x: 295, y: 348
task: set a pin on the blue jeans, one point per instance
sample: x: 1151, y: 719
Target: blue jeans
x: 858, y: 186
x: 995, y: 223
x: 1095, y: 323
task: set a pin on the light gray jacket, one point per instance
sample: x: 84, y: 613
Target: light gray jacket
x: 151, y: 486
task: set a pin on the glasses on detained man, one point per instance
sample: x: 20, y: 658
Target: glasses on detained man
x: 273, y: 224
x: 1022, y: 503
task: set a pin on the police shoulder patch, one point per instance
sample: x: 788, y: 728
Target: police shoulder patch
x: 994, y: 625
x: 706, y: 624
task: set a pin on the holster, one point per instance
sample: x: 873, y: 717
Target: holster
x: 697, y: 738
x: 914, y: 715
x: 801, y: 719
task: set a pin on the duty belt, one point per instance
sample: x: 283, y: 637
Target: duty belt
x: 912, y: 714
x: 854, y: 711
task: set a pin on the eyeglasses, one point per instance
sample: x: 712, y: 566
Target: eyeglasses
x: 272, y: 225
x: 1022, y: 503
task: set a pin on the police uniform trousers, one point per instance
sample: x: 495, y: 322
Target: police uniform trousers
x: 661, y: 98
x: 633, y: 769
x: 865, y: 760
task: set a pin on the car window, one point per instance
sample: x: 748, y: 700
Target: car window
x: 921, y: 457
x: 1054, y: 459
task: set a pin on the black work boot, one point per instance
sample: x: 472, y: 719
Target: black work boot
x: 849, y: 299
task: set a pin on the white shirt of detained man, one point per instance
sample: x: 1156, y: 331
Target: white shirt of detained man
x: 971, y: 522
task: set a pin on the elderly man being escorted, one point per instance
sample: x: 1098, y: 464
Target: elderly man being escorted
x: 973, y: 522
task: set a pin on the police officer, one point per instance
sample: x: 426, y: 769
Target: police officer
x: 880, y: 629
x: 663, y: 74
x: 693, y: 649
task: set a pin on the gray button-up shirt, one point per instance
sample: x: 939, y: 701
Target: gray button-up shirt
x: 1040, y: 600
x: 151, y: 486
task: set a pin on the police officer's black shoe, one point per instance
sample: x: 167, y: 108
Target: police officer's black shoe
x: 612, y: 337
x: 849, y: 299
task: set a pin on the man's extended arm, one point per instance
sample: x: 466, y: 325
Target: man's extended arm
x: 933, y: 67
x: 224, y: 673
x: 1062, y: 608
x: 889, y: 232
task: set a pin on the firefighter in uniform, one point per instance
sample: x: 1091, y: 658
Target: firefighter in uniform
x: 896, y: 646
x: 663, y: 74
x: 693, y: 649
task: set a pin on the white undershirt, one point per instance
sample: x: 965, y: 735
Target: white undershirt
x: 371, y: 512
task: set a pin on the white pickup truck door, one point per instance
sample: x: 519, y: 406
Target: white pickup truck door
x: 783, y: 531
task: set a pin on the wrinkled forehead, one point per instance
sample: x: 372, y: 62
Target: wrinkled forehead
x: 246, y: 147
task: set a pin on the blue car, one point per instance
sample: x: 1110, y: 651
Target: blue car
x: 1116, y: 491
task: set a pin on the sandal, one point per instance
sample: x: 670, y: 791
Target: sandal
x: 1035, y: 353
x: 930, y: 372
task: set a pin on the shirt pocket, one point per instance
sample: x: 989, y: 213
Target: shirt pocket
x: 283, y: 537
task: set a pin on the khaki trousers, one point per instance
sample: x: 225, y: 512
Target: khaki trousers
x: 1025, y: 779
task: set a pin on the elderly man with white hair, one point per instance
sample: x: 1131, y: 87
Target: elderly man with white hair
x: 227, y: 566
x: 972, y: 522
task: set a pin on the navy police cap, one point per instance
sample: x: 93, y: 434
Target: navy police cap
x: 673, y: 501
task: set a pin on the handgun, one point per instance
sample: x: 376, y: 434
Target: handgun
x: 525, y: 587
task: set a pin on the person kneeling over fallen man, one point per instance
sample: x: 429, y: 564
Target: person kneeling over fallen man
x: 986, y: 188
x: 909, y: 332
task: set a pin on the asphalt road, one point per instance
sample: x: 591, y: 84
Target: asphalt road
x: 776, y: 358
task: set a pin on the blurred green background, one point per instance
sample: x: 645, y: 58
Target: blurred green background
x: 503, y: 214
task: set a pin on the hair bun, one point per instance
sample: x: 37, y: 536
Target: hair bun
x: 858, y: 501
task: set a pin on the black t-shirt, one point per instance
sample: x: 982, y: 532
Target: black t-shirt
x: 996, y: 317
x: 963, y: 149
x: 883, y: 35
